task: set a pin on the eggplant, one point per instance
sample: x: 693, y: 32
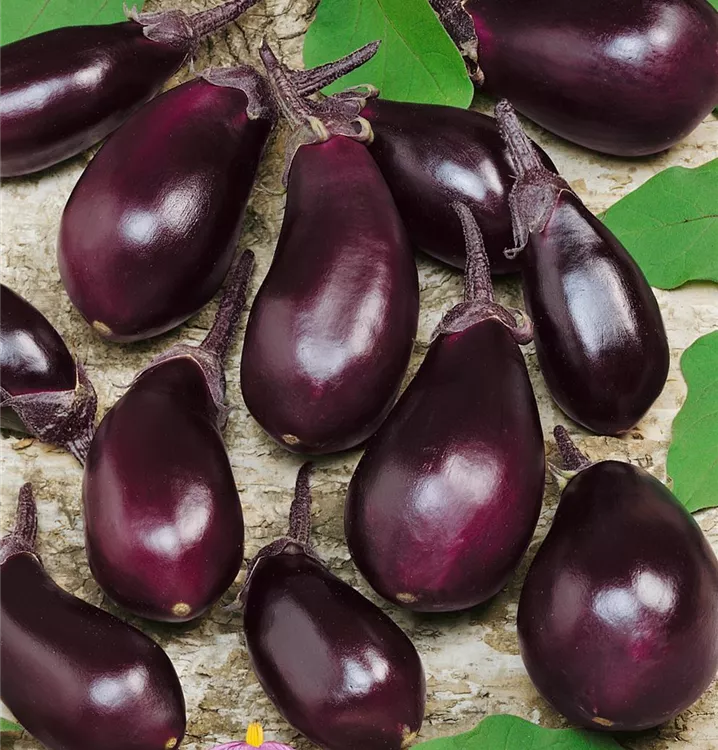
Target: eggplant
x: 163, y: 522
x: 598, y: 330
x: 65, y: 90
x: 624, y: 77
x: 74, y: 676
x: 432, y: 156
x: 618, y: 616
x: 168, y: 193
x: 337, y: 668
x: 45, y: 392
x: 332, y: 327
x: 445, y: 500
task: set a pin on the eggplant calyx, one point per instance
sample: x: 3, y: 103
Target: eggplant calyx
x: 460, y: 27
x: 536, y: 190
x: 297, y: 541
x: 210, y: 355
x: 260, y: 100
x: 316, y: 122
x: 212, y: 371
x: 21, y: 540
x: 479, y: 300
x: 63, y: 418
x: 573, y: 459
x: 171, y: 27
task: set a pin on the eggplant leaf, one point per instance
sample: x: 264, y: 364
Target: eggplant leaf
x: 21, y: 18
x: 9, y: 726
x: 417, y: 61
x: 693, y: 456
x: 506, y: 732
x: 670, y: 225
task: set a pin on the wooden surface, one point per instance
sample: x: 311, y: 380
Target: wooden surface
x: 472, y: 661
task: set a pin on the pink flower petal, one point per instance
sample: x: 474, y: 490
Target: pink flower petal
x: 245, y: 746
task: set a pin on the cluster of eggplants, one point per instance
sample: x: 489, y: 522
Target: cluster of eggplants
x: 66, y: 89
x: 618, y: 615
x: 163, y: 522
x: 625, y: 77
x: 167, y: 193
x: 336, y: 667
x: 599, y: 335
x: 74, y: 676
x: 445, y: 500
x: 331, y: 330
x: 44, y: 391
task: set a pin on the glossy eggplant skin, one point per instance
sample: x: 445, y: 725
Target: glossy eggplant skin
x: 625, y: 580
x: 624, y: 77
x: 43, y: 391
x: 76, y: 677
x: 445, y: 500
x: 167, y: 195
x: 337, y: 668
x: 66, y: 89
x: 431, y: 156
x: 332, y: 327
x: 599, y: 335
x: 33, y: 355
x: 163, y: 521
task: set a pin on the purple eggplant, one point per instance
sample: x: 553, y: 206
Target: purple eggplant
x: 66, y: 89
x: 76, y: 677
x: 163, y: 521
x: 625, y: 77
x: 167, y: 194
x: 335, y: 666
x: 618, y: 617
x: 445, y: 500
x: 332, y: 327
x: 432, y: 156
x: 44, y: 391
x: 598, y: 329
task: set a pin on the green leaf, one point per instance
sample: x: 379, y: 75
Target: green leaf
x: 693, y: 456
x: 21, y: 18
x: 9, y: 726
x: 512, y: 733
x: 417, y: 61
x: 670, y: 225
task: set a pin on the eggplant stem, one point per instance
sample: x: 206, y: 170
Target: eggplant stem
x: 524, y: 156
x: 300, y: 514
x: 477, y: 275
x: 293, y: 106
x: 573, y: 458
x: 22, y: 538
x: 221, y: 334
x: 307, y: 82
x: 208, y: 21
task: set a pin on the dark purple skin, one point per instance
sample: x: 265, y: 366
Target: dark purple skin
x: 599, y: 335
x: 618, y: 617
x: 167, y: 195
x: 74, y: 676
x: 445, y: 500
x: 337, y: 668
x: 163, y: 521
x: 44, y: 391
x: 432, y: 156
x: 332, y: 327
x: 65, y: 90
x: 625, y: 77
